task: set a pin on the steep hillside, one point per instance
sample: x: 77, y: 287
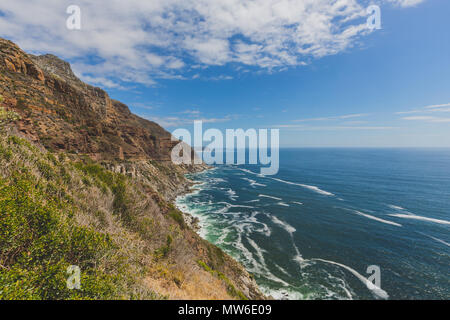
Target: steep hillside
x: 65, y: 114
x: 85, y: 182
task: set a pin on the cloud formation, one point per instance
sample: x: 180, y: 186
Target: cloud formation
x: 429, y: 109
x: 428, y: 119
x: 140, y: 41
x: 343, y: 117
x: 176, y: 122
x: 406, y: 3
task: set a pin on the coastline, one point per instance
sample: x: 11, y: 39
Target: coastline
x: 195, y: 224
x: 190, y: 189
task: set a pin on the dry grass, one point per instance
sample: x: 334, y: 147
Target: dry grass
x: 140, y: 231
x: 196, y: 285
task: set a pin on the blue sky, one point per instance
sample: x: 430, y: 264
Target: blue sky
x: 323, y: 85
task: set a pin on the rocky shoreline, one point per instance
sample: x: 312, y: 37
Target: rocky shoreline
x: 190, y: 220
x: 193, y: 223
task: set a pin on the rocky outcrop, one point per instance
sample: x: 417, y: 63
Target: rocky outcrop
x: 65, y: 114
x: 61, y: 113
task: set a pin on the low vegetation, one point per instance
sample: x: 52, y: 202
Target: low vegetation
x: 230, y: 286
x: 59, y: 210
x: 112, y: 217
x: 41, y: 234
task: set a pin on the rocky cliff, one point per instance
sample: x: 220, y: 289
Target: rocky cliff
x: 65, y: 114
x: 93, y: 168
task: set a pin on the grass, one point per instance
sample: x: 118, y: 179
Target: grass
x: 40, y: 236
x: 7, y: 116
x: 39, y: 242
x: 232, y: 291
x: 58, y: 210
x: 177, y: 216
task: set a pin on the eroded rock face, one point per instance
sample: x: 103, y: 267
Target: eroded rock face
x: 65, y: 114
x: 53, y: 65
x: 61, y: 113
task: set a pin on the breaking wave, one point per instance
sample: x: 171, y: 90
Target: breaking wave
x: 415, y: 217
x: 312, y: 188
x: 377, y: 219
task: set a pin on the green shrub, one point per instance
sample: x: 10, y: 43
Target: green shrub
x: 41, y: 200
x: 38, y: 246
x: 6, y: 153
x: 7, y: 116
x: 178, y: 217
x: 164, y: 250
x: 46, y: 170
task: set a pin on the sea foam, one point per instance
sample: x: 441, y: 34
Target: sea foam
x: 380, y: 293
x: 312, y: 188
x: 415, y: 217
x: 377, y: 219
x: 270, y: 197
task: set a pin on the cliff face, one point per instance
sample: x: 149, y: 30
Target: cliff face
x: 65, y: 114
x: 107, y: 172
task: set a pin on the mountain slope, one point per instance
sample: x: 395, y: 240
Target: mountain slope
x: 65, y: 114
x: 84, y: 182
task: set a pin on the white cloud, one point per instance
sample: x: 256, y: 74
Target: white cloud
x: 331, y: 128
x: 429, y: 109
x: 438, y: 106
x: 140, y: 41
x: 101, y: 81
x: 343, y: 117
x: 176, y: 122
x: 428, y: 119
x: 406, y: 3
x: 191, y: 112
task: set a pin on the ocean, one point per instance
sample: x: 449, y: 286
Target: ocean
x: 314, y: 230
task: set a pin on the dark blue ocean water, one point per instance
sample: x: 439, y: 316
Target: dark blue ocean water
x: 312, y: 231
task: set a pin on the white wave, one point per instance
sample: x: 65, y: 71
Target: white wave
x: 377, y: 219
x: 251, y: 264
x: 251, y: 201
x: 270, y: 197
x: 290, y: 229
x: 396, y: 207
x: 373, y: 288
x: 229, y: 205
x: 222, y: 238
x: 270, y: 276
x: 283, y: 204
x: 251, y: 172
x: 265, y: 228
x: 312, y: 188
x: 283, y: 294
x: 253, y: 183
x: 231, y: 193
x: 281, y: 269
x: 216, y: 180
x: 259, y: 252
x: 415, y: 217
x: 296, y: 202
x: 436, y: 239
x: 441, y: 241
x: 344, y: 287
x: 259, y: 185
